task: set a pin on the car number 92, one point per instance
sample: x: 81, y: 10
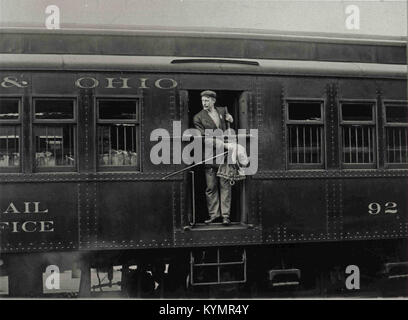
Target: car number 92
x: 376, y: 208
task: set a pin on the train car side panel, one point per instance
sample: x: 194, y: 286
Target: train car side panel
x: 39, y: 216
x: 287, y: 213
x: 374, y: 208
x: 130, y: 215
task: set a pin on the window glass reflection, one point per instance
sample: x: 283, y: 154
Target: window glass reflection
x: 55, y: 145
x: 9, y: 146
x: 117, y: 145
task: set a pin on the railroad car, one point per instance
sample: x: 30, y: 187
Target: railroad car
x: 79, y: 190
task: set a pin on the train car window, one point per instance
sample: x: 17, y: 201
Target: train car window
x: 396, y: 113
x: 9, y: 109
x: 306, y: 112
x: 396, y: 133
x: 357, y: 112
x: 54, y: 109
x: 54, y: 129
x: 10, y: 128
x: 358, y: 134
x: 305, y: 134
x: 108, y: 110
x: 118, y: 133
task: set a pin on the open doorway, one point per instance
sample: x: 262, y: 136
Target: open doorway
x: 229, y: 99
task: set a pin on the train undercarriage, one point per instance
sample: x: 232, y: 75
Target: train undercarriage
x: 376, y: 268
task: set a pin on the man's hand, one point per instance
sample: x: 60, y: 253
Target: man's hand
x: 229, y: 118
x: 230, y: 146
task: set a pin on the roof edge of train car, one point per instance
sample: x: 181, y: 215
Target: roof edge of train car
x: 114, y: 63
x: 238, y: 44
x: 213, y: 32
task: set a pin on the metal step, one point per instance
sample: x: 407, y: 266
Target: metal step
x: 395, y: 270
x: 284, y: 277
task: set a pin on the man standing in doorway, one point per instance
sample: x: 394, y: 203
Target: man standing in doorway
x: 213, y: 118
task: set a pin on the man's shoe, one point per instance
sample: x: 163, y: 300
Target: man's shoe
x: 226, y: 221
x: 211, y: 220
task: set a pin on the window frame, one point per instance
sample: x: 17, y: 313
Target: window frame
x: 15, y: 122
x: 386, y: 103
x: 137, y: 122
x: 373, y: 122
x: 46, y: 122
x: 306, y: 166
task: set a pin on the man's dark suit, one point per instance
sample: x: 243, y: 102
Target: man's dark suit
x: 203, y: 121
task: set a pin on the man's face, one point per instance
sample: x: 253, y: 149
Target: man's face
x: 207, y: 102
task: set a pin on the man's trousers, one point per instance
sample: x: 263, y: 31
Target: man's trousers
x: 218, y: 194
